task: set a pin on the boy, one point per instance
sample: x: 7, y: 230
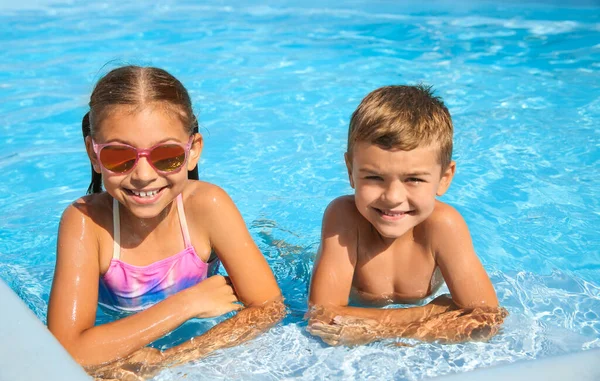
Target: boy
x: 392, y: 241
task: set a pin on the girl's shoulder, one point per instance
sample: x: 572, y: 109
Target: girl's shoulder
x: 203, y: 197
x: 96, y: 208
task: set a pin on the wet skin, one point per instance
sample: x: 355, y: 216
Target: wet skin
x: 384, y: 244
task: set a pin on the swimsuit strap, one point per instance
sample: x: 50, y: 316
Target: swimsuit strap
x: 117, y: 226
x: 116, y: 230
x: 183, y: 222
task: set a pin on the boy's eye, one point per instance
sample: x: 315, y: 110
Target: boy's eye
x: 414, y: 180
x: 373, y: 177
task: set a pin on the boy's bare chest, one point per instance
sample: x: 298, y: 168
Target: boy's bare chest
x: 402, y: 274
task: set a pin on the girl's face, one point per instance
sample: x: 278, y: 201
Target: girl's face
x: 144, y: 191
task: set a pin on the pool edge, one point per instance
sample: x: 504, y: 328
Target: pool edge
x: 29, y: 351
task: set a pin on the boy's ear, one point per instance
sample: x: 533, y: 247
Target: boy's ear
x: 89, y: 147
x: 195, y: 151
x: 446, y: 179
x: 348, y: 160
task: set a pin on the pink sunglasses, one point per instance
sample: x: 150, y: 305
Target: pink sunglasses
x: 121, y: 158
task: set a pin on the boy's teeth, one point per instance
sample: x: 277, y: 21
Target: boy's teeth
x: 391, y: 213
x: 144, y: 194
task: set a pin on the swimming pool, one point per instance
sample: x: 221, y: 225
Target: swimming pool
x: 274, y: 86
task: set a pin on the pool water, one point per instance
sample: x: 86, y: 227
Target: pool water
x: 274, y: 86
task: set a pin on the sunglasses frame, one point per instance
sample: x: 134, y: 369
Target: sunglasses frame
x: 142, y: 153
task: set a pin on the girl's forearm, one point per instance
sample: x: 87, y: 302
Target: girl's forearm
x: 245, y: 325
x: 112, y: 341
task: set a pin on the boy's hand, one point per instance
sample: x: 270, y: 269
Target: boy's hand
x: 479, y: 324
x: 320, y: 314
x: 341, y: 330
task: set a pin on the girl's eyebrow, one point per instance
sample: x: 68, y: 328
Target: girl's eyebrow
x: 121, y: 141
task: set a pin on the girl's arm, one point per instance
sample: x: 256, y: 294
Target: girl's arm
x: 74, y: 298
x: 336, y: 323
x: 249, y: 273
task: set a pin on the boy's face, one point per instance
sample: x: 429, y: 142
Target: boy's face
x: 395, y: 190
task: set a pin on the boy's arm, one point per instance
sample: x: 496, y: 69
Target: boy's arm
x: 337, y: 323
x: 333, y: 270
x: 464, y: 274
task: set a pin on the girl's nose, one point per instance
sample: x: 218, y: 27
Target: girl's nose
x: 143, y: 171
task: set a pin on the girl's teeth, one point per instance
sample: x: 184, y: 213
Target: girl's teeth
x: 145, y: 194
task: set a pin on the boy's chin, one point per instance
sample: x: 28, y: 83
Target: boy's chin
x: 389, y: 231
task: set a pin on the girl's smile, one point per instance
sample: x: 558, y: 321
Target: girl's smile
x: 146, y: 196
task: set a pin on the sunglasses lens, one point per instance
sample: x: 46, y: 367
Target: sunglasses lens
x: 118, y: 159
x: 168, y: 157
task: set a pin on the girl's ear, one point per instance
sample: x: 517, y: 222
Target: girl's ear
x: 195, y: 151
x: 348, y: 160
x: 89, y: 147
x: 446, y: 179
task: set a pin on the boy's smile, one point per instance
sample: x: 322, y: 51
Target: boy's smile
x: 395, y: 190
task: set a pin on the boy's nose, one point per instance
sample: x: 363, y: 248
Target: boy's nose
x: 395, y: 193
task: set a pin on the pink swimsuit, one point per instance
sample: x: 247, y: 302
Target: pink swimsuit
x: 129, y: 288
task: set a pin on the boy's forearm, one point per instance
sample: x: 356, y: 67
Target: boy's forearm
x: 400, y: 316
x: 459, y: 325
x: 245, y: 325
x: 396, y: 316
x: 440, y: 320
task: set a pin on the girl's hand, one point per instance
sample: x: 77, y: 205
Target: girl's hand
x: 142, y: 364
x: 213, y: 297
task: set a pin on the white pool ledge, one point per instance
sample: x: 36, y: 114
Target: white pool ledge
x: 28, y: 351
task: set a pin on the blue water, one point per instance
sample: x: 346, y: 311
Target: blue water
x: 274, y: 86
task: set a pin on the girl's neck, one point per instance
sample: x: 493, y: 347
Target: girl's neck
x: 142, y: 227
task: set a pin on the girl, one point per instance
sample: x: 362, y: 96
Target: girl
x: 146, y: 243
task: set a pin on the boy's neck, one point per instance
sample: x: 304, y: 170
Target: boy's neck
x: 391, y: 242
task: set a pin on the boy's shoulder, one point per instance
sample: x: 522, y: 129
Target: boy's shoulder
x: 342, y: 212
x: 443, y: 215
x: 343, y: 204
x: 444, y: 223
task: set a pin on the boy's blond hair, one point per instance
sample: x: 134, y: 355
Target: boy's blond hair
x: 403, y: 117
